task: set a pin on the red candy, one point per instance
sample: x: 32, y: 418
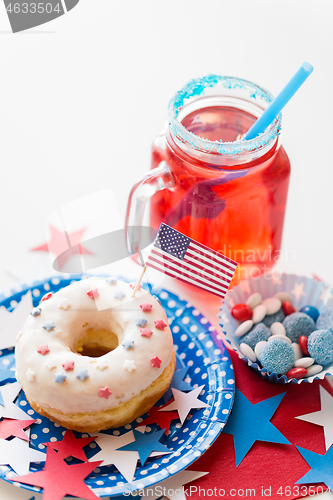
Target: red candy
x: 242, y: 312
x: 303, y: 343
x: 288, y: 308
x: 46, y: 296
x: 297, y: 372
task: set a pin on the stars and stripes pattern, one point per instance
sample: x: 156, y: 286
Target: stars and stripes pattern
x: 180, y: 257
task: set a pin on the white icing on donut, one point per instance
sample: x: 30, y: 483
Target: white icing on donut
x: 84, y: 386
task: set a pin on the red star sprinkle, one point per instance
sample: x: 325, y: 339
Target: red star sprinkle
x: 10, y: 427
x: 145, y: 332
x: 132, y: 285
x: 155, y: 362
x: 160, y: 325
x: 70, y: 446
x: 47, y: 296
x: 146, y: 308
x: 161, y: 418
x: 93, y: 293
x: 59, y: 479
x: 104, y: 392
x: 43, y: 349
x: 68, y: 365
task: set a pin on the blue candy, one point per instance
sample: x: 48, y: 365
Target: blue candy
x: 272, y: 318
x: 297, y: 324
x: 325, y: 320
x: 320, y: 347
x: 277, y: 356
x: 310, y: 311
x: 256, y: 334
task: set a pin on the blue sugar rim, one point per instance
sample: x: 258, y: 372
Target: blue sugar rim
x: 196, y: 88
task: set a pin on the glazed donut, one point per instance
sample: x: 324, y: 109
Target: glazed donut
x: 91, y: 356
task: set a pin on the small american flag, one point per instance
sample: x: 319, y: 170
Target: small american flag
x: 178, y: 256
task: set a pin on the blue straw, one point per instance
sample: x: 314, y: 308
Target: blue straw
x: 279, y: 102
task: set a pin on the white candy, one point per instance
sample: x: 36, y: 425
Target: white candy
x: 258, y: 347
x: 243, y: 328
x: 272, y: 304
x: 259, y: 312
x: 248, y: 352
x: 313, y: 370
x: 284, y: 296
x: 297, y: 351
x: 278, y: 329
x: 254, y: 300
x: 282, y: 337
x: 304, y: 362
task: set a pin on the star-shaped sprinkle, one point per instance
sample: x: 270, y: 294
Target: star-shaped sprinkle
x: 70, y: 446
x: 257, y: 426
x: 163, y: 419
x: 30, y: 375
x: 8, y: 409
x: 145, y: 332
x: 119, y: 294
x: 18, y: 454
x: 82, y: 374
x: 68, y: 365
x: 155, y: 362
x: 102, y: 365
x: 145, y: 444
x: 104, y: 392
x: 50, y: 364
x: 60, y: 378
x: 321, y: 467
x: 183, y: 402
x: 36, y: 311
x: 127, y: 343
x: 140, y: 321
x: 47, y: 296
x: 178, y: 382
x: 43, y: 349
x: 132, y: 285
x: 146, y: 308
x: 160, y: 325
x: 49, y: 325
x: 10, y: 427
x: 64, y: 304
x: 129, y: 365
x: 59, y: 479
x: 11, y: 322
x: 93, y: 293
x: 298, y: 291
x: 112, y: 280
x: 326, y: 294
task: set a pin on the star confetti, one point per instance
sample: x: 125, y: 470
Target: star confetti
x: 112, y: 280
x: 82, y: 374
x: 18, y: 454
x: 47, y: 296
x: 8, y: 408
x: 49, y: 325
x: 60, y: 378
x: 93, y: 293
x: 59, y: 479
x: 155, y: 362
x: 184, y: 402
x: 64, y: 304
x: 119, y: 295
x: 145, y: 332
x: 256, y: 426
x: 10, y: 427
x: 43, y: 349
x: 163, y: 419
x: 146, y: 307
x: 178, y: 382
x: 129, y: 365
x: 11, y: 322
x: 321, y: 467
x: 140, y: 321
x: 127, y: 343
x: 104, y: 392
x: 145, y: 444
x: 160, y: 325
x: 68, y: 365
x: 36, y: 311
x: 70, y: 446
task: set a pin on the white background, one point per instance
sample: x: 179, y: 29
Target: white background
x: 83, y: 97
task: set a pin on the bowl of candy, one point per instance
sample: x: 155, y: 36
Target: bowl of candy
x: 281, y: 327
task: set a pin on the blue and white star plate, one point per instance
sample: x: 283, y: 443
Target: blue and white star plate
x: 208, y: 364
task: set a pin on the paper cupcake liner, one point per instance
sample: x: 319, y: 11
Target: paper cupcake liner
x: 306, y: 291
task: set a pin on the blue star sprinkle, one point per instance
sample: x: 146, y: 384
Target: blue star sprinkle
x: 59, y: 377
x: 178, y: 382
x: 321, y: 467
x: 140, y: 321
x: 7, y: 375
x: 82, y: 375
x: 36, y: 311
x: 145, y: 444
x: 128, y: 344
x: 49, y: 325
x: 249, y: 423
x: 112, y: 280
x: 119, y: 295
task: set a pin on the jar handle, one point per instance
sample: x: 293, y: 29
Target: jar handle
x: 157, y: 179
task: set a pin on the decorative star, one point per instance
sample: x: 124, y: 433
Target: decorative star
x: 323, y: 417
x: 163, y: 419
x: 30, y: 375
x: 70, y: 446
x: 10, y: 427
x: 68, y: 365
x: 50, y: 364
x: 8, y: 409
x: 104, y: 392
x: 49, y: 325
x: 64, y: 304
x: 129, y: 365
x: 11, y: 322
x: 112, y: 280
x: 184, y: 402
x: 43, y: 349
x: 60, y: 378
x: 146, y: 308
x: 59, y: 246
x: 18, y: 454
x: 93, y: 293
x: 145, y: 332
x: 36, y: 311
x: 127, y: 343
x: 132, y: 285
x: 155, y: 362
x: 321, y: 467
x: 145, y: 444
x: 82, y: 374
x: 178, y: 382
x: 140, y: 321
x: 102, y: 365
x: 6, y: 375
x: 298, y: 291
x: 59, y: 479
x: 256, y: 426
x: 174, y: 485
x: 119, y: 294
x: 47, y: 296
x: 160, y: 325
x: 326, y: 294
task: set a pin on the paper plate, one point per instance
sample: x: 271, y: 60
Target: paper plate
x: 208, y: 364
